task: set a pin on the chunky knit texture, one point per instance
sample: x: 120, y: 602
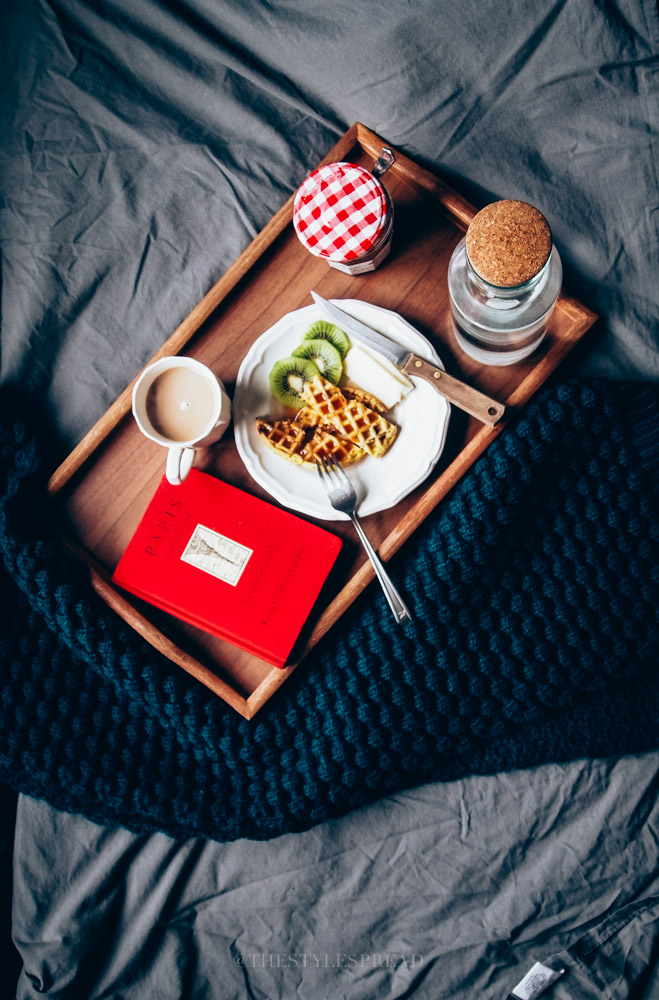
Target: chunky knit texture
x: 534, y: 591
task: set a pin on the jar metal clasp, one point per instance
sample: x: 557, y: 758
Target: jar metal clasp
x: 385, y: 160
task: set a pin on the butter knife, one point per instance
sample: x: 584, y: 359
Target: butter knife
x: 465, y: 396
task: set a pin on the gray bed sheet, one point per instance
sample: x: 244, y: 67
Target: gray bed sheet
x: 147, y: 143
x: 144, y: 145
x: 447, y: 891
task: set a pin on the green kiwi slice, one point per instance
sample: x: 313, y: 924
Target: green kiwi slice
x: 287, y: 378
x: 324, y: 355
x: 322, y: 330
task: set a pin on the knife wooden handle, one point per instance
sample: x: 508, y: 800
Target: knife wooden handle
x: 467, y: 398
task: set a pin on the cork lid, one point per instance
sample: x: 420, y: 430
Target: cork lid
x: 508, y: 242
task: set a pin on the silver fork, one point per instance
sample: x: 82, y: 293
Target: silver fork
x: 341, y: 495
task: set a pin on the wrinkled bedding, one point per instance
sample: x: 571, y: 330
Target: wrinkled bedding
x: 444, y: 891
x: 144, y: 145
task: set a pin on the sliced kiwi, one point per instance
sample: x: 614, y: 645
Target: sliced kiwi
x: 322, y: 330
x: 325, y: 357
x: 287, y: 378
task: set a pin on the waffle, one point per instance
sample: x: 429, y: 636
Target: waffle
x: 286, y: 437
x: 355, y: 392
x: 310, y: 417
x: 303, y: 444
x: 307, y: 417
x: 350, y: 417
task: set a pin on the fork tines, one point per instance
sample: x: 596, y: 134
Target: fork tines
x: 330, y: 464
x: 331, y: 472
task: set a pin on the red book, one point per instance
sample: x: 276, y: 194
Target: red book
x: 228, y: 563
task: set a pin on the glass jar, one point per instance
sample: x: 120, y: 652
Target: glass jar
x: 343, y: 214
x: 504, y: 279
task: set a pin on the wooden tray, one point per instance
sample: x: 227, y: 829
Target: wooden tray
x: 101, y: 490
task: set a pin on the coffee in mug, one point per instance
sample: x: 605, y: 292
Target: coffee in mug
x: 181, y: 404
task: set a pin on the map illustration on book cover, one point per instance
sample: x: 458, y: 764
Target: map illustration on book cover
x: 228, y: 563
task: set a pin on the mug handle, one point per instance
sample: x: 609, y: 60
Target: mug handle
x: 179, y: 463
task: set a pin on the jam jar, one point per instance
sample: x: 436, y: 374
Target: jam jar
x: 504, y: 279
x: 344, y: 214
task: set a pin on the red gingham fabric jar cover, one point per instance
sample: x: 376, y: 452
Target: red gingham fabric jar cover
x: 340, y: 212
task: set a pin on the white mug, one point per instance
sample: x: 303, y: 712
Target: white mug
x: 181, y: 404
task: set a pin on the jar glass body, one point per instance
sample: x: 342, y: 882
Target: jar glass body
x: 343, y: 214
x: 495, y: 325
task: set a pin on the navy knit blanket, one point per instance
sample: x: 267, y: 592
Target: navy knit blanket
x: 534, y: 591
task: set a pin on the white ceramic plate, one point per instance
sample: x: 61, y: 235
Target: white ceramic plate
x: 422, y: 418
